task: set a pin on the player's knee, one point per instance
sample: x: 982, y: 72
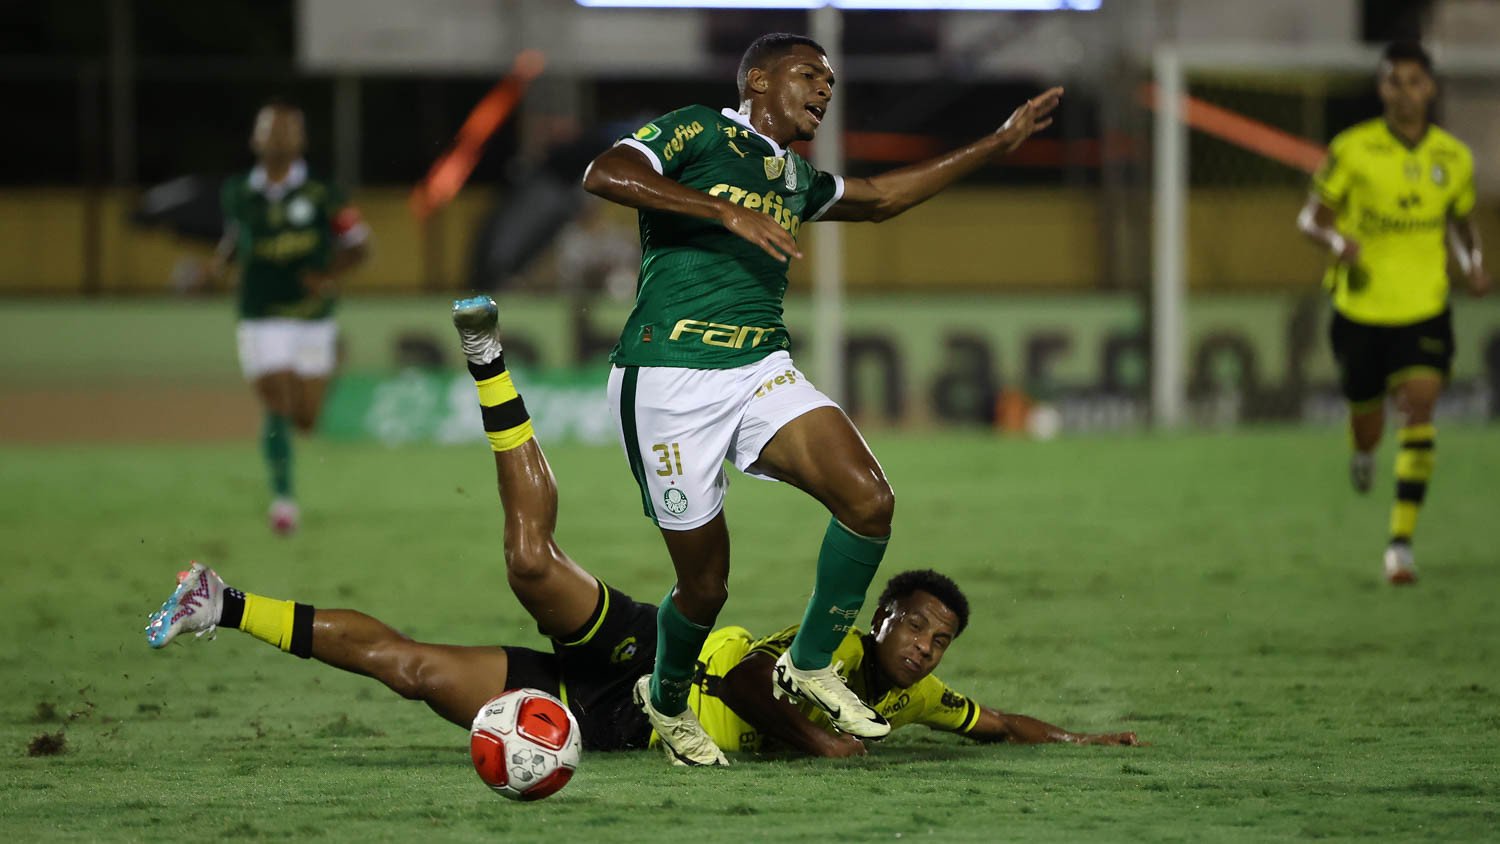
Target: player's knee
x: 871, y: 511
x: 702, y: 597
x: 407, y: 674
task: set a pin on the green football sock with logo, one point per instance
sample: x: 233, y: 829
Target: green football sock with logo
x: 846, y: 565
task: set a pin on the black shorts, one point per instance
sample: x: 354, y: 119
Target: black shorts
x: 596, y: 673
x: 1370, y: 356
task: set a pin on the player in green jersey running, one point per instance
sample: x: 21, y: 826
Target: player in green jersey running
x: 702, y: 373
x: 603, y: 642
x: 292, y: 236
x: 1383, y: 203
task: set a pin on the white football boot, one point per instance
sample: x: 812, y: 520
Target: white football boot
x: 684, y: 738
x: 194, y: 607
x: 478, y: 322
x: 825, y: 689
x: 1400, y: 568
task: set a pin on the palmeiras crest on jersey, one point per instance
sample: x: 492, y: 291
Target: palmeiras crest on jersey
x: 676, y: 501
x: 1439, y: 175
x: 775, y: 166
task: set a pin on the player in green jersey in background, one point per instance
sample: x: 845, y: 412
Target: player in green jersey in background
x: 702, y: 373
x: 1389, y: 193
x: 292, y: 236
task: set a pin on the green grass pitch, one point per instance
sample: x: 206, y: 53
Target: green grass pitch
x: 1219, y: 594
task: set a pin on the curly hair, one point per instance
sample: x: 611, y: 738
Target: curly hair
x: 939, y: 586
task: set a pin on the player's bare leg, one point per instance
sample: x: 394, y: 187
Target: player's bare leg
x: 560, y: 595
x: 822, y: 453
x: 556, y: 591
x: 1416, y: 398
x: 1366, y: 424
x: 278, y: 395
x: 308, y: 393
x: 700, y: 558
x: 455, y: 681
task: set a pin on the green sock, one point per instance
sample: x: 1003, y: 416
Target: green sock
x: 276, y: 442
x: 846, y: 565
x: 678, y: 641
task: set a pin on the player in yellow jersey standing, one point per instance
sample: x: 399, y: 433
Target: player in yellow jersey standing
x: 1384, y: 203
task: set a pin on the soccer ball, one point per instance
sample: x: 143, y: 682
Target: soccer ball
x: 525, y: 744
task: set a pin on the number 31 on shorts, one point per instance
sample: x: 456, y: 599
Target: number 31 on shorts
x: 670, y: 457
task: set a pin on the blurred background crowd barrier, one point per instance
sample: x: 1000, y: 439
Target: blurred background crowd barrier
x: 1030, y: 297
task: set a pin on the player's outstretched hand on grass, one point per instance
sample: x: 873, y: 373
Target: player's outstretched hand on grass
x: 1030, y: 118
x: 761, y: 230
x: 1112, y: 739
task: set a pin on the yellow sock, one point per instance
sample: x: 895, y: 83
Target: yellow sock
x: 269, y: 620
x: 1414, y: 465
x: 506, y: 422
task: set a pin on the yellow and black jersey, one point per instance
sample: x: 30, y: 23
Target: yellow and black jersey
x: 930, y: 702
x: 1395, y: 199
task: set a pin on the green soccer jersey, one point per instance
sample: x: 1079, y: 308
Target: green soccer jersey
x: 709, y: 299
x: 281, y: 232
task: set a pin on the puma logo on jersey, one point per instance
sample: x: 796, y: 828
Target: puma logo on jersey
x: 769, y: 203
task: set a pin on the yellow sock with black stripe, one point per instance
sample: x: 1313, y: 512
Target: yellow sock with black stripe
x: 286, y: 624
x: 506, y: 422
x: 1414, y: 464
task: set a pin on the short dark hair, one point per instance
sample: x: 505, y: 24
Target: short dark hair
x: 767, y: 47
x: 939, y: 586
x: 1407, y: 51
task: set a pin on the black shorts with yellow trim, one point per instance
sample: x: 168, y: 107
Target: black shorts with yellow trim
x: 1375, y: 358
x: 595, y: 671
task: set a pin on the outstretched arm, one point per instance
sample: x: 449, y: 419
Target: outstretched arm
x: 882, y: 197
x: 747, y: 690
x: 997, y: 726
x: 623, y: 175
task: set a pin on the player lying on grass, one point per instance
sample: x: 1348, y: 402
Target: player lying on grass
x: 603, y: 642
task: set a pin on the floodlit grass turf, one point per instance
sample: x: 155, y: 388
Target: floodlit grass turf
x: 1218, y: 594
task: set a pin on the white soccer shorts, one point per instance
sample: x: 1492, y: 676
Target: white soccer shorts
x: 679, y: 425
x: 307, y: 347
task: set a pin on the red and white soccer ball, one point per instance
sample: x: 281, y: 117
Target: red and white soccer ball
x: 525, y: 744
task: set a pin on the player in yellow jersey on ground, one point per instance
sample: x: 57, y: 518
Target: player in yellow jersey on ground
x: 1384, y: 203
x: 603, y: 642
